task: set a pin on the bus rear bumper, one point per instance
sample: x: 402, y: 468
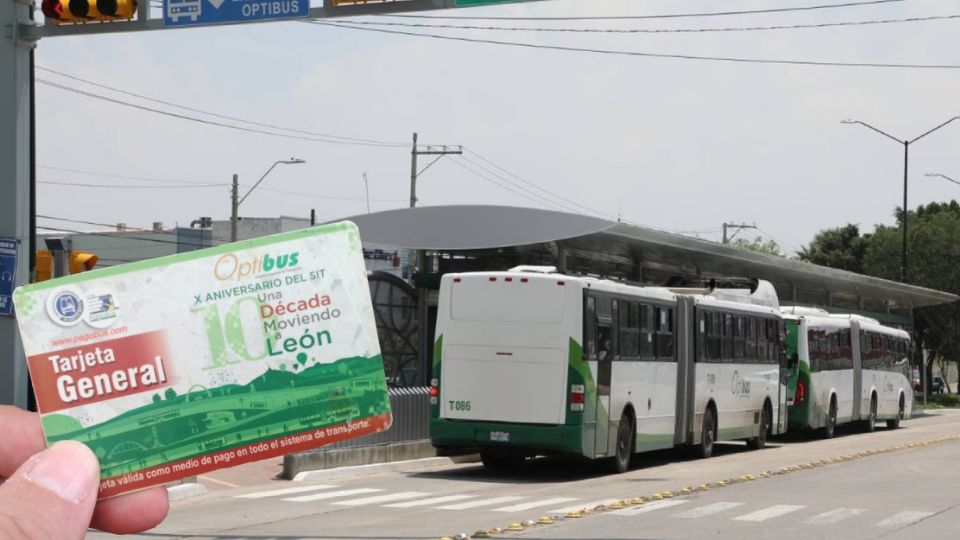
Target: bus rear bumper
x: 452, y: 437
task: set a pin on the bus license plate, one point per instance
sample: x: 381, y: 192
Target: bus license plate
x: 500, y: 436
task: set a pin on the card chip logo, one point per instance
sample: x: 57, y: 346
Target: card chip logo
x: 67, y: 308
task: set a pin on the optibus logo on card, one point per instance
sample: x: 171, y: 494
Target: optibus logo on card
x: 65, y: 307
x: 231, y: 267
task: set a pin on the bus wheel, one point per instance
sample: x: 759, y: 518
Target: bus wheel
x: 500, y: 461
x: 871, y: 424
x: 708, y: 434
x: 625, y: 436
x: 895, y: 423
x: 830, y: 429
x: 760, y: 440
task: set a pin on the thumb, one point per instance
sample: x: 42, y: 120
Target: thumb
x: 52, y: 495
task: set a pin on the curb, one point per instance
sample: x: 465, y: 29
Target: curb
x: 373, y: 468
x: 185, y: 491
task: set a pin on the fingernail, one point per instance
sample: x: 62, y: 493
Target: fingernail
x: 69, y: 469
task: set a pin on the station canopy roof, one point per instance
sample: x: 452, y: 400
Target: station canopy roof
x: 475, y: 228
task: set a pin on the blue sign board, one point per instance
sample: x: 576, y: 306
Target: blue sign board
x: 203, y: 12
x: 8, y: 273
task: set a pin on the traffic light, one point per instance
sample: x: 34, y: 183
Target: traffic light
x: 81, y: 261
x: 84, y: 11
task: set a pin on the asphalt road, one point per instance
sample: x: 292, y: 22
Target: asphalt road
x: 855, y: 486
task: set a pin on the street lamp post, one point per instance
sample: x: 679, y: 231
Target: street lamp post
x: 945, y: 177
x: 235, y: 202
x: 906, y: 157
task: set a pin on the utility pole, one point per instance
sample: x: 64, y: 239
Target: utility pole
x: 234, y: 206
x: 366, y: 186
x: 738, y: 227
x: 438, y: 151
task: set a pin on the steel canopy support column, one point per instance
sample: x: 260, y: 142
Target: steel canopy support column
x: 14, y: 182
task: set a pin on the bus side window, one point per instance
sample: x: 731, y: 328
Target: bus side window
x: 590, y: 329
x: 646, y: 332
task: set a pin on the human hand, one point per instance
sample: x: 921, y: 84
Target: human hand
x: 52, y: 493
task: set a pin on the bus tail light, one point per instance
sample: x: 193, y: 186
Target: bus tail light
x: 434, y: 390
x: 576, y: 397
x: 801, y: 394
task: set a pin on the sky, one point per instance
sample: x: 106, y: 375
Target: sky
x: 681, y: 145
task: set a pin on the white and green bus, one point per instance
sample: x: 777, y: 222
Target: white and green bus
x: 845, y: 369
x: 530, y: 362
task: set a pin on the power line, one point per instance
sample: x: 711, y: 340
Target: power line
x: 648, y: 54
x: 662, y: 16
x: 126, y: 186
x: 107, y: 235
x: 125, y: 177
x: 201, y: 120
x: 657, y: 30
x: 110, y: 225
x: 518, y: 186
x: 501, y: 185
x: 216, y: 115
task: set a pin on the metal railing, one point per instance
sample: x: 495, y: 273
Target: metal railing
x: 411, y: 420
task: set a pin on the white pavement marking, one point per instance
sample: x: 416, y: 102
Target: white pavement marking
x: 834, y: 516
x: 434, y: 500
x: 903, y: 518
x: 287, y: 491
x: 708, y: 510
x: 770, y: 512
x: 590, y: 505
x: 384, y: 498
x: 333, y: 494
x: 474, y: 504
x: 648, y: 507
x: 534, y: 504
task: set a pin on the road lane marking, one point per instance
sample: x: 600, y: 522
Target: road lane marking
x: 534, y: 504
x: 484, y: 502
x: 648, y: 507
x: 708, y: 510
x: 333, y: 494
x: 903, y: 518
x: 433, y: 500
x: 215, y: 481
x: 390, y: 497
x: 287, y: 491
x: 769, y: 512
x: 590, y: 505
x: 834, y: 516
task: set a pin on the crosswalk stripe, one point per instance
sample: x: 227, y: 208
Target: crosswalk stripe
x: 834, y: 516
x: 769, y: 512
x: 376, y: 499
x: 433, y: 500
x: 707, y: 510
x: 474, y: 504
x: 903, y: 518
x: 648, y: 507
x: 332, y: 494
x: 590, y: 505
x: 287, y: 491
x: 534, y: 504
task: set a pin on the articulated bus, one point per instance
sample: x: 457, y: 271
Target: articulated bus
x: 845, y: 369
x: 529, y: 362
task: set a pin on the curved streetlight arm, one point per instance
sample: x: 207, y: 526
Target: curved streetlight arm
x: 880, y: 131
x: 284, y: 161
x: 915, y: 139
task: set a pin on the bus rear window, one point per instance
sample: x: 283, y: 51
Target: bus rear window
x: 533, y: 301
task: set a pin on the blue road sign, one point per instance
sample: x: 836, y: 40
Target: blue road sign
x: 8, y: 273
x: 203, y: 12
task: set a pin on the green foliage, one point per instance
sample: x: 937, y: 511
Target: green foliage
x: 170, y: 394
x: 841, y: 247
x: 757, y: 245
x: 939, y: 401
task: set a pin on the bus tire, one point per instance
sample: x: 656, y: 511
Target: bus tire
x: 895, y: 423
x: 758, y: 442
x: 499, y: 461
x: 870, y: 425
x: 626, y: 433
x: 830, y: 426
x: 708, y: 434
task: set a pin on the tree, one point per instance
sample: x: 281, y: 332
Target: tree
x: 170, y: 394
x: 842, y: 247
x: 757, y: 245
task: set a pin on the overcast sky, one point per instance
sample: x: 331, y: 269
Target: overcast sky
x: 679, y: 145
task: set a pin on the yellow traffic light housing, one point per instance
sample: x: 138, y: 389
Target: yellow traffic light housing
x: 44, y: 267
x: 81, y: 261
x: 84, y: 11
